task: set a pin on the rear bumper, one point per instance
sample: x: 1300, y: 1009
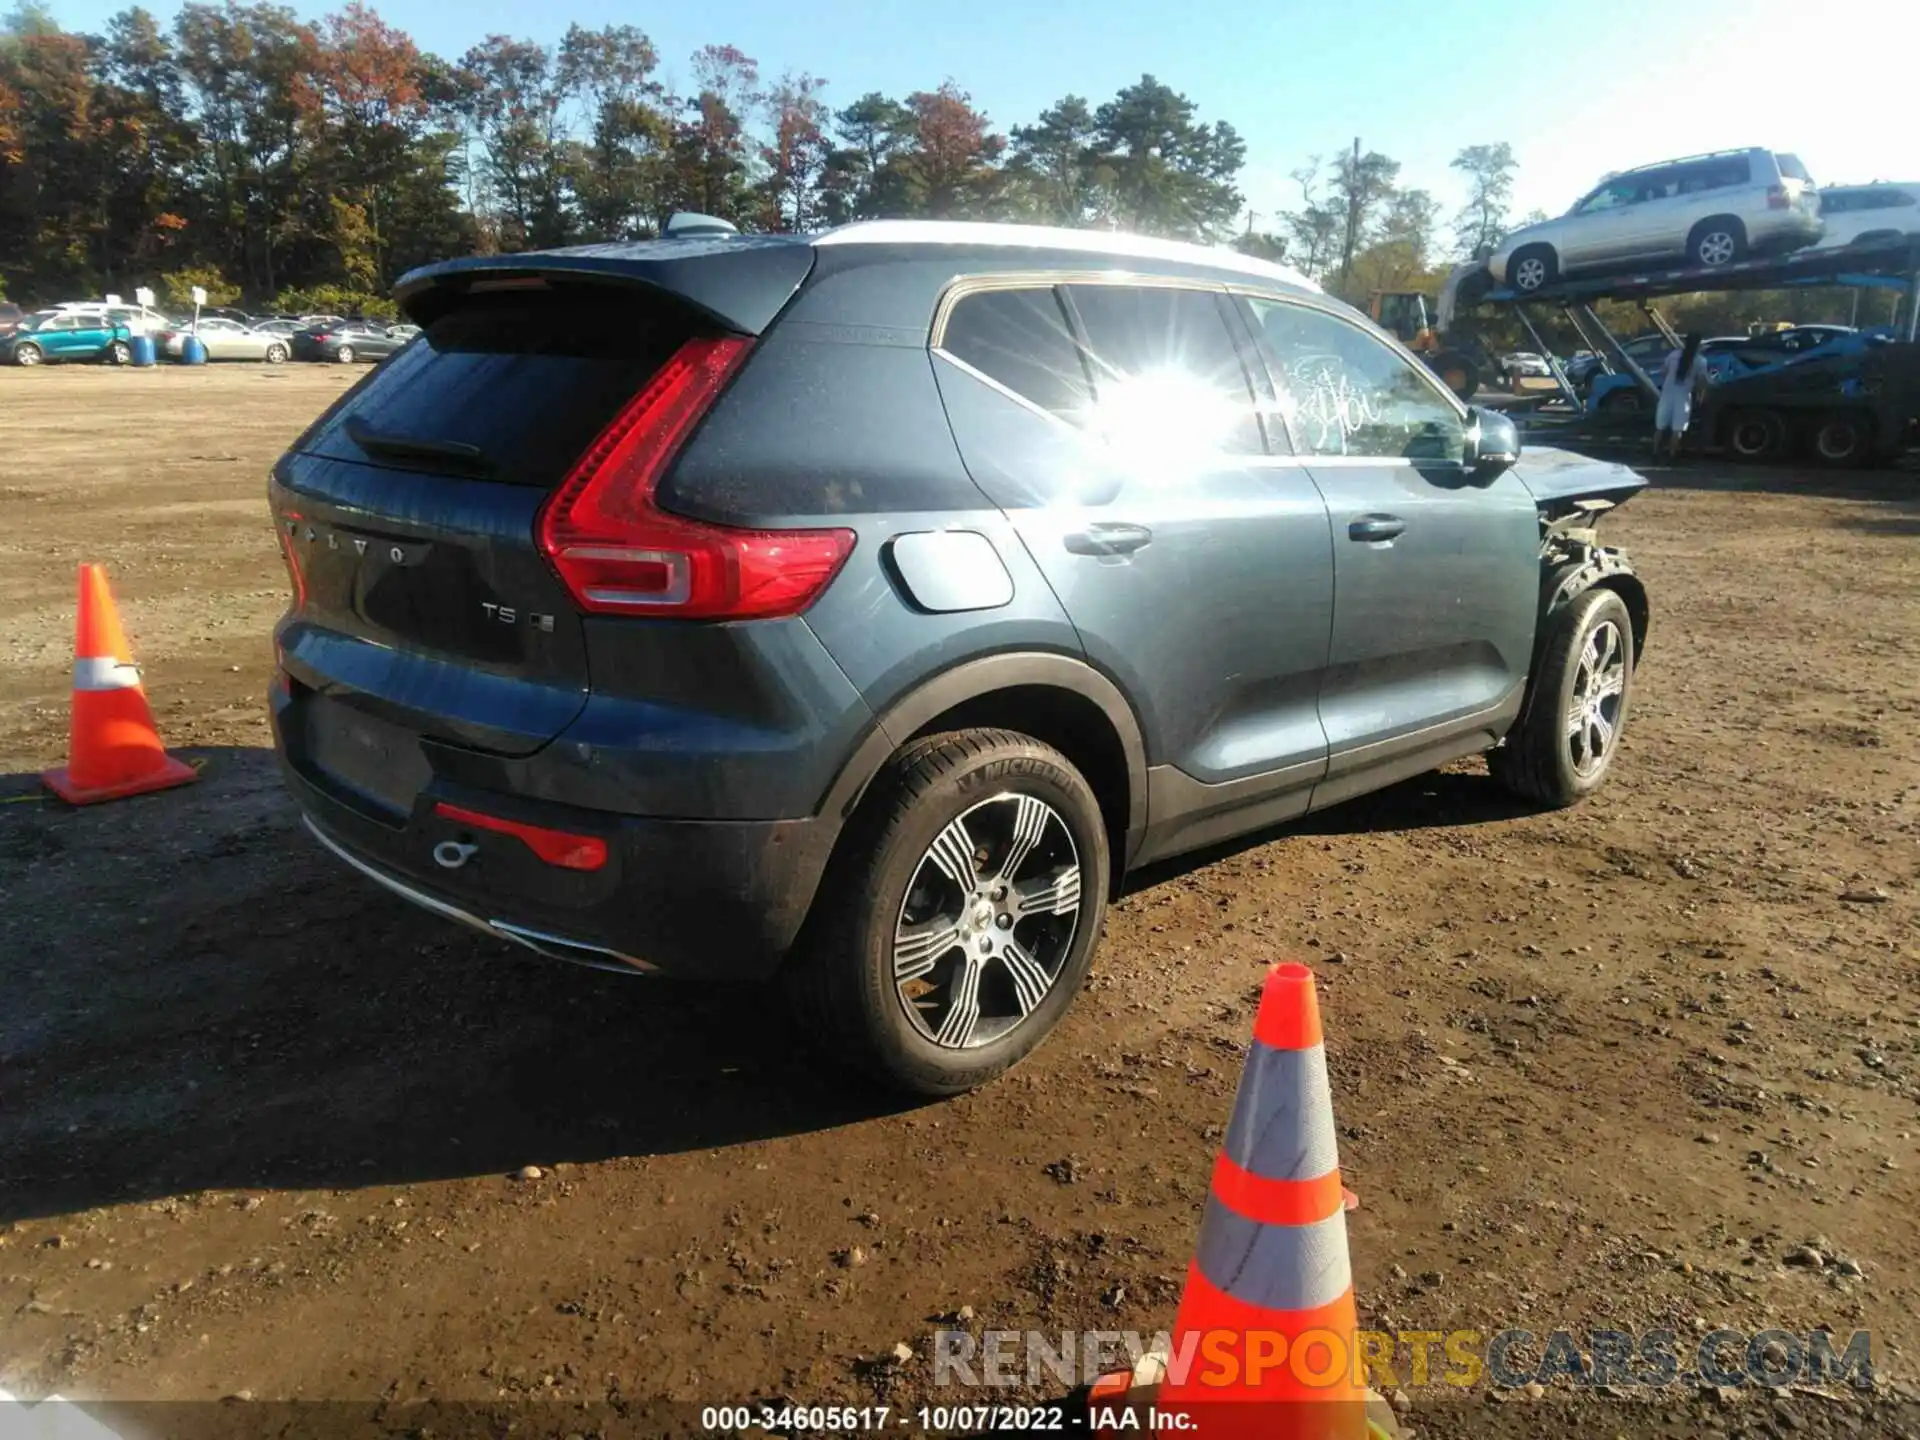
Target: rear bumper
x: 1778, y: 230
x: 557, y: 947
x: 715, y: 900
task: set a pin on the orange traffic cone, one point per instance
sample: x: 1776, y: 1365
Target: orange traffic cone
x: 1266, y: 1327
x: 112, y: 747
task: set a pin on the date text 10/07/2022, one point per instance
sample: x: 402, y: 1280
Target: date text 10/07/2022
x: 850, y: 1419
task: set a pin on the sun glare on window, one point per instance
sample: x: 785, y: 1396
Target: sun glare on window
x: 1163, y: 416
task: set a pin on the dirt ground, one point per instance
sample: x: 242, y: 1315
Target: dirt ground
x: 261, y: 1124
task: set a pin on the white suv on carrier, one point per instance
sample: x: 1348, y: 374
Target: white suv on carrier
x: 1706, y: 210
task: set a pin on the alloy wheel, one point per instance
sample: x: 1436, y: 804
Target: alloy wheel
x: 1717, y: 247
x: 1593, y: 711
x: 988, y: 921
x: 1530, y: 273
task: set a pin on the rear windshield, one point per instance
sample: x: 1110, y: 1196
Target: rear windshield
x: 511, y: 386
x: 1792, y: 169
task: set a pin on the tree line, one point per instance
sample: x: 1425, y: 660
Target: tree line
x: 309, y: 163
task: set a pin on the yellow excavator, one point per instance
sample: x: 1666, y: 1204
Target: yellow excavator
x: 1425, y: 325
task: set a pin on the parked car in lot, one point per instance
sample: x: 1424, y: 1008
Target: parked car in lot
x: 345, y: 342
x: 281, y: 325
x: 1525, y: 363
x: 1862, y: 213
x: 1706, y: 210
x: 230, y: 340
x: 665, y: 610
x: 10, y: 316
x: 65, y: 335
x: 134, y: 319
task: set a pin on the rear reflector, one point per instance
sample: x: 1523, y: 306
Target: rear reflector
x: 556, y: 847
x: 298, y: 580
x: 620, y: 554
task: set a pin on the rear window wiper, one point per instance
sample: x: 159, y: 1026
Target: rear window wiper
x: 419, y: 447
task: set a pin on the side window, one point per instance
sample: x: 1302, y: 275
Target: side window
x: 1662, y: 184
x: 1021, y: 339
x: 1344, y: 392
x: 1734, y: 170
x: 1611, y: 196
x: 1166, y: 372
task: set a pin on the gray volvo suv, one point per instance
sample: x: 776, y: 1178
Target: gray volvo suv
x: 858, y: 609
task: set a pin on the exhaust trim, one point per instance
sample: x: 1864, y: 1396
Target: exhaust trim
x: 554, y: 947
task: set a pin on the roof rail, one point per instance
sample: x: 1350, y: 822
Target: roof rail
x: 1689, y: 159
x: 1114, y: 243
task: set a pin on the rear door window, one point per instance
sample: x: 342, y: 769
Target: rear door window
x: 1162, y: 358
x: 527, y: 379
x: 1020, y: 340
x: 1792, y: 169
x: 1660, y: 185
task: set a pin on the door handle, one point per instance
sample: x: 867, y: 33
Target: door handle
x: 1376, y: 527
x: 1108, y: 540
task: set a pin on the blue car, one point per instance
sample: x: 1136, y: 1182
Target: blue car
x: 50, y: 335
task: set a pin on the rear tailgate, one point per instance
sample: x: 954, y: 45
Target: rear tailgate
x: 423, y: 607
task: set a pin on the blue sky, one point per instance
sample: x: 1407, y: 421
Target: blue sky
x: 1417, y: 79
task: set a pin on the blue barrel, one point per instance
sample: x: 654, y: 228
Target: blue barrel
x: 143, y: 353
x: 192, y: 352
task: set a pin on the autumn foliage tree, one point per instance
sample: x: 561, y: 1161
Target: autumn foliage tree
x: 297, y: 157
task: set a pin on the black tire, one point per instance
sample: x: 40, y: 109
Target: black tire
x: 1842, y: 439
x: 1524, y: 276
x: 1457, y: 372
x: 1628, y: 400
x: 27, y: 354
x: 1473, y: 288
x: 119, y: 353
x: 1540, y: 760
x: 841, y: 977
x: 1757, y: 435
x: 1716, y: 242
x: 344, y: 355
x: 276, y: 354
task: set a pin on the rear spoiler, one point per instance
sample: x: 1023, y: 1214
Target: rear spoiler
x: 740, y: 282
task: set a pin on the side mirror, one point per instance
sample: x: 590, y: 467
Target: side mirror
x: 1493, y: 442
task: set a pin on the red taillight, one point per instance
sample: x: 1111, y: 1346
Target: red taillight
x: 622, y: 555
x: 293, y: 567
x: 556, y: 847
x: 1778, y: 199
